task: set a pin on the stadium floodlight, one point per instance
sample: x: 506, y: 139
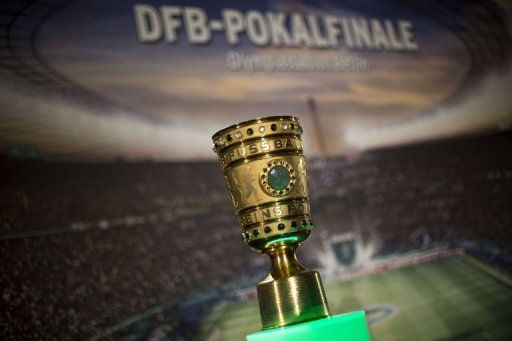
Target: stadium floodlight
x: 265, y: 171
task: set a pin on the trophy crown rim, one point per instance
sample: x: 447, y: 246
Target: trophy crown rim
x: 253, y: 121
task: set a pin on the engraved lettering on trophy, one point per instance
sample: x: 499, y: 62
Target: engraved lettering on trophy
x: 248, y: 219
x: 266, y: 213
x: 254, y: 148
x: 278, y: 211
x: 291, y: 209
x: 231, y: 155
x: 240, y: 152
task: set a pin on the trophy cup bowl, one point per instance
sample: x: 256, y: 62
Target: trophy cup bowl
x: 265, y: 172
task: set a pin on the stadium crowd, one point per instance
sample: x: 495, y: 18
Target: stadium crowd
x: 86, y: 246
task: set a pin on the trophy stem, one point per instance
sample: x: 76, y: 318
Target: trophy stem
x: 284, y: 261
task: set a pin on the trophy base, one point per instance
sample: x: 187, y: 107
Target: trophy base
x: 292, y: 300
x: 350, y: 326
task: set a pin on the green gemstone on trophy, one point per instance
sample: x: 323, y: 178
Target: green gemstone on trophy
x: 279, y: 177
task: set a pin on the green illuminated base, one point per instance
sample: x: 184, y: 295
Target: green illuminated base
x: 345, y: 327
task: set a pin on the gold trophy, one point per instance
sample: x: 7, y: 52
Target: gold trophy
x: 265, y: 171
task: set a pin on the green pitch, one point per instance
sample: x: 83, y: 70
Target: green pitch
x: 453, y: 298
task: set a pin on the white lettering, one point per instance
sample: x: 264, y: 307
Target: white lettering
x: 280, y: 36
x: 196, y: 26
x: 318, y: 40
x: 405, y: 27
x: 257, y: 30
x: 362, y: 36
x: 379, y: 35
x: 279, y: 29
x: 170, y: 22
x: 332, y: 30
x: 299, y: 31
x: 234, y: 23
x: 148, y: 23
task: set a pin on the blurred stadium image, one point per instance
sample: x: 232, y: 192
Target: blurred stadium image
x: 431, y: 300
x: 108, y: 263
x: 115, y: 222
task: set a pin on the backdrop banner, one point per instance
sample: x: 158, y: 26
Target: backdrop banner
x: 115, y: 221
